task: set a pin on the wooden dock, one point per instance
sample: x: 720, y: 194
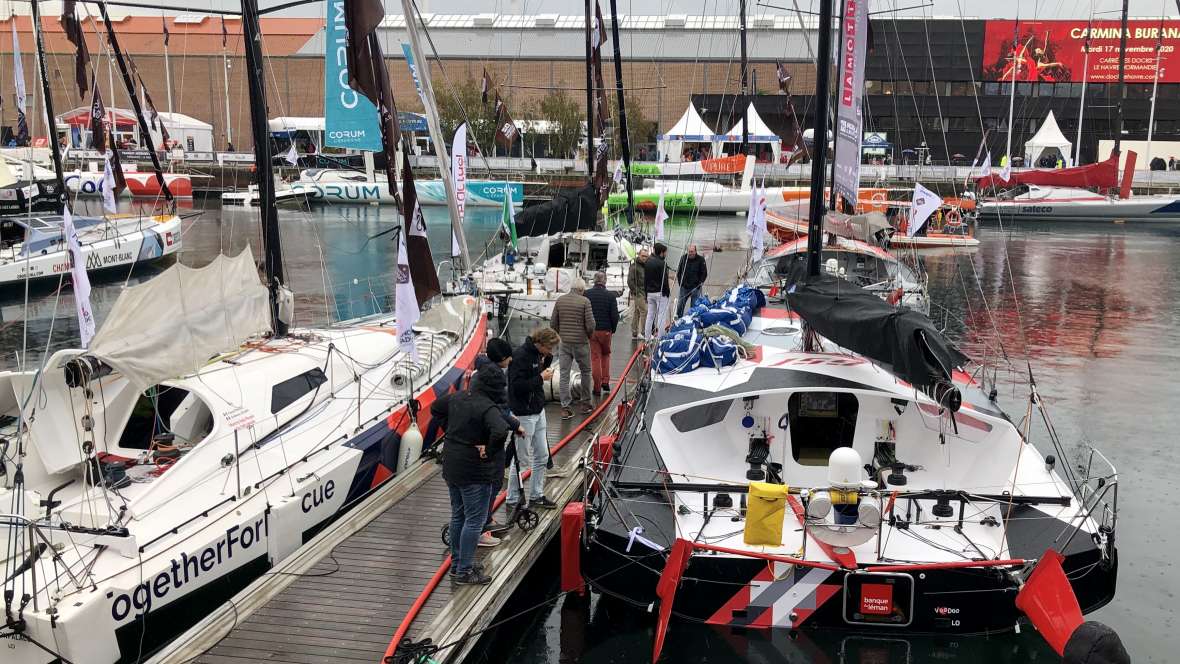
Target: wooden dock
x: 344, y: 595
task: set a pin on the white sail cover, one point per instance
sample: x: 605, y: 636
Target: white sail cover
x: 1047, y: 137
x: 172, y: 324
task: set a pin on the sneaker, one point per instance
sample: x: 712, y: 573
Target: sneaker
x: 567, y: 413
x: 586, y: 408
x: 454, y: 571
x: 488, y: 540
x: 605, y: 389
x: 497, y: 529
x: 473, y: 578
x: 596, y: 392
x: 543, y: 502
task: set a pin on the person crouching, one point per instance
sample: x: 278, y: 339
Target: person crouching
x: 473, y: 459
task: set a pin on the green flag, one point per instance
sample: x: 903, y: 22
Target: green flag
x: 508, y: 222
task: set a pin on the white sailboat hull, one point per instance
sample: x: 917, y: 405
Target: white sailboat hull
x: 1068, y: 204
x: 127, y: 242
x: 327, y: 186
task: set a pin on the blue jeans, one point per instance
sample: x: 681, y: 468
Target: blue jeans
x: 469, y: 513
x: 686, y: 298
x: 535, y: 447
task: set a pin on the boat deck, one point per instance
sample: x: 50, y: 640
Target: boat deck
x: 342, y: 598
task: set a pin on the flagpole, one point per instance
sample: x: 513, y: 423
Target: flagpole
x: 589, y: 95
x: 436, y: 135
x: 1155, y: 84
x: 168, y: 76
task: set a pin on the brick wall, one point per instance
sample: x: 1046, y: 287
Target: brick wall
x: 295, y: 85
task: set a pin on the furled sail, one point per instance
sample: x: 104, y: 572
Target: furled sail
x: 171, y: 325
x: 862, y: 322
x: 567, y: 212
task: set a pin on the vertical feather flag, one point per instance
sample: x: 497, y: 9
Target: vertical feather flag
x: 86, y: 324
x: 459, y: 177
x: 418, y: 256
x: 18, y: 80
x: 405, y: 303
x: 98, y: 132
x: 506, y: 218
x: 661, y: 215
x: 167, y: 35
x: 485, y: 87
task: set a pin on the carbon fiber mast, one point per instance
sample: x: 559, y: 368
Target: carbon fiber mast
x: 815, y: 210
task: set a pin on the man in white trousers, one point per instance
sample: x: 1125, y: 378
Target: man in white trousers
x: 655, y: 283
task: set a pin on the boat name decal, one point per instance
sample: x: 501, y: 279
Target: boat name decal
x: 353, y: 193
x: 95, y: 261
x: 318, y: 496
x: 187, y: 569
x: 946, y: 610
x: 1036, y: 209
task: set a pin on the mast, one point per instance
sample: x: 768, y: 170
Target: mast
x: 815, y: 209
x: 130, y: 85
x: 1012, y: 92
x: 589, y: 94
x: 272, y: 251
x: 614, y: 29
x: 167, y: 72
x: 50, y: 119
x: 436, y: 134
x: 229, y: 131
x: 745, y: 76
x: 1118, y: 129
x: 1077, y: 153
x: 1155, y: 84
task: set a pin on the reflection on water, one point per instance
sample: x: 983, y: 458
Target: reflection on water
x: 1098, y: 317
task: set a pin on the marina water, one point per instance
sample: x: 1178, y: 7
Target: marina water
x: 1095, y: 310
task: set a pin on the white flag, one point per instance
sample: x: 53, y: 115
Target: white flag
x: 924, y: 203
x: 459, y: 177
x: 86, y: 325
x: 292, y: 155
x: 758, y: 232
x: 108, y: 187
x: 618, y: 174
x: 1006, y: 172
x: 985, y: 168
x: 18, y: 72
x: 661, y: 215
x: 752, y: 210
x: 405, y: 301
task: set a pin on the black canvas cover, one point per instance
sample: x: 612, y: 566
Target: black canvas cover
x: 862, y: 322
x: 567, y: 212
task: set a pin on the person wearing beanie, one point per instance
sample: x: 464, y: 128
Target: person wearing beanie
x: 473, y: 458
x: 574, y: 321
x: 498, y: 354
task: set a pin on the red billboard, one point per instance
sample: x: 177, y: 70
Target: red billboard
x: 1056, y: 51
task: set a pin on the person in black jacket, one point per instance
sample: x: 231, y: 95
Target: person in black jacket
x: 605, y: 305
x: 497, y: 353
x: 473, y: 458
x: 527, y: 373
x: 655, y: 284
x: 690, y: 276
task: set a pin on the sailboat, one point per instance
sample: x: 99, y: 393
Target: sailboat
x: 34, y: 247
x: 200, y: 440
x: 829, y: 465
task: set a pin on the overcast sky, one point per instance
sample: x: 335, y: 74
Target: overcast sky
x: 969, y: 8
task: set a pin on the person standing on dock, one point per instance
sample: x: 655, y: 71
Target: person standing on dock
x: 497, y: 353
x: 527, y: 374
x: 655, y: 284
x: 574, y: 321
x: 605, y: 305
x: 637, y: 294
x: 473, y: 458
x: 690, y: 276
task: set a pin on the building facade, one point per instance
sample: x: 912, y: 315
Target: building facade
x: 941, y: 82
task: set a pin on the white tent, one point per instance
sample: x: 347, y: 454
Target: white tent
x: 1047, y: 140
x: 690, y: 128
x: 191, y: 134
x: 759, y: 132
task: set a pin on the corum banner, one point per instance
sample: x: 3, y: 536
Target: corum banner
x: 1055, y: 51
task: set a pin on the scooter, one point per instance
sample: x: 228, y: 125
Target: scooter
x: 521, y: 516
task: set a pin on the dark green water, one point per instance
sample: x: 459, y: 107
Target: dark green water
x: 1094, y: 309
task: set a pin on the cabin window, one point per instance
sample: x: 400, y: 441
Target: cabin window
x: 289, y: 391
x: 556, y: 255
x: 700, y: 417
x: 820, y: 422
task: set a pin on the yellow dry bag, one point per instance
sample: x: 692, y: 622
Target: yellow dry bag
x: 765, y: 513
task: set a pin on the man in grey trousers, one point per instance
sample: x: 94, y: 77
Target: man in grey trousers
x: 573, y: 319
